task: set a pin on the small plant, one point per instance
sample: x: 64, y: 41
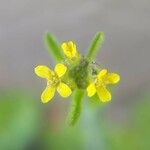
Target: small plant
x: 75, y: 73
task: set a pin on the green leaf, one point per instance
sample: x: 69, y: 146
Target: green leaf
x: 95, y: 45
x: 53, y: 47
x: 75, y: 111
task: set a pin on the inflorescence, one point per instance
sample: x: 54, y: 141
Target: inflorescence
x: 76, y: 72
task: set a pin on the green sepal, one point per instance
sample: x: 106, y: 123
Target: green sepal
x: 53, y: 47
x: 79, y: 73
x: 95, y: 45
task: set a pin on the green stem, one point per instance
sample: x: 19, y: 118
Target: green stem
x: 75, y: 111
x: 95, y: 45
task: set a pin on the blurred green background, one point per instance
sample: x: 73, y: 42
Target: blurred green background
x: 26, y: 123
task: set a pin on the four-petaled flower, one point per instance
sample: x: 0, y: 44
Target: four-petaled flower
x: 99, y: 85
x: 70, y: 50
x: 53, y: 81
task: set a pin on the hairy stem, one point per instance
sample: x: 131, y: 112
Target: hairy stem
x: 75, y: 111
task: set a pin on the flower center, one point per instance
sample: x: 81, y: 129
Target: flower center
x: 54, y: 80
x: 99, y: 82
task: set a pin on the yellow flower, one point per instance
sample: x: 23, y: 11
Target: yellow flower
x: 70, y: 50
x: 99, y: 85
x: 53, y: 81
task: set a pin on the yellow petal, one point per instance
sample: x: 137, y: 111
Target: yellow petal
x: 48, y: 94
x: 72, y: 47
x: 91, y: 90
x: 103, y: 94
x: 63, y: 89
x: 43, y: 72
x: 112, y: 78
x: 102, y: 73
x: 60, y: 69
x: 69, y: 49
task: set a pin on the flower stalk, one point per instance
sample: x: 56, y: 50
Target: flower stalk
x: 76, y: 107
